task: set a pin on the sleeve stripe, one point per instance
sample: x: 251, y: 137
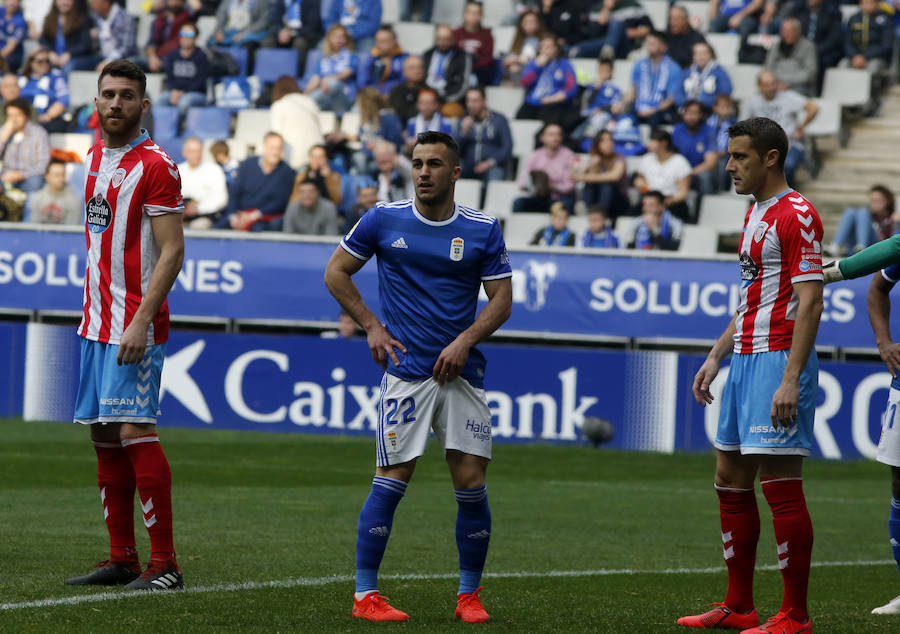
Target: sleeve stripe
x: 353, y: 253
x: 499, y: 276
x: 159, y: 210
x: 808, y: 277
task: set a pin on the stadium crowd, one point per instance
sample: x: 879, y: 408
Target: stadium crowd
x: 545, y: 116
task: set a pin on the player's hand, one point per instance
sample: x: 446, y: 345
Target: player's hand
x: 702, y: 380
x: 133, y: 344
x: 451, y: 361
x: 890, y: 354
x: 383, y: 345
x: 784, y: 404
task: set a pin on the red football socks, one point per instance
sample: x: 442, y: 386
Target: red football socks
x: 115, y: 477
x: 740, y: 533
x: 794, y: 538
x: 154, y: 484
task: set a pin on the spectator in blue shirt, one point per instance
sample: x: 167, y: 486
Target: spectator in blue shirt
x: 13, y: 32
x: 66, y: 33
x: 333, y: 84
x: 361, y: 18
x: 116, y: 33
x: 187, y: 71
x: 705, y: 79
x: 696, y: 141
x: 429, y: 117
x: 260, y: 191
x: 383, y: 66
x: 47, y: 90
x: 550, y: 81
x: 740, y: 16
x: 654, y: 84
x: 722, y: 118
x: 296, y: 24
x: 598, y: 101
x: 598, y: 235
x: 376, y: 123
x: 485, y: 142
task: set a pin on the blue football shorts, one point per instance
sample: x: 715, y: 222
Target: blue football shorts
x: 745, y: 421
x: 112, y: 393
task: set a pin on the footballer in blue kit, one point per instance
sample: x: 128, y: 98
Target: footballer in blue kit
x: 433, y: 258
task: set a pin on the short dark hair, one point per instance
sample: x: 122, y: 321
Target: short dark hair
x: 659, y: 35
x: 432, y: 137
x: 888, y: 196
x: 126, y: 69
x: 597, y: 209
x: 659, y: 134
x: 21, y: 104
x: 478, y: 89
x: 694, y: 102
x: 764, y: 135
x: 309, y: 181
x: 654, y: 194
x: 219, y: 147
x: 54, y: 161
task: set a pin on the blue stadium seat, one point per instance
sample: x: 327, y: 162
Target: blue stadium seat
x: 165, y: 121
x: 240, y: 55
x: 312, y: 64
x: 208, y: 123
x: 172, y: 146
x: 348, y: 193
x: 272, y: 63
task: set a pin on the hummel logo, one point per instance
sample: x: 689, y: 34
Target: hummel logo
x: 381, y: 531
x: 482, y: 534
x: 399, y: 243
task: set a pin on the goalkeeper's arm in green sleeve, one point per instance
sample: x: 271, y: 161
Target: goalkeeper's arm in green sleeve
x: 874, y: 258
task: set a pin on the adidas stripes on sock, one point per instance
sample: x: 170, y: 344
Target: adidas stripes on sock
x: 375, y: 521
x: 473, y: 535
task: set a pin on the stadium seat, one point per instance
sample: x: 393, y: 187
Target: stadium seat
x: 237, y: 150
x: 155, y: 83
x: 520, y: 229
x: 726, y: 46
x: 724, y: 213
x: 272, y: 63
x: 82, y: 87
x: 447, y: 12
x: 523, y: 132
x: 622, y: 73
x: 144, y: 26
x: 495, y: 12
x: 251, y: 126
x: 312, y: 64
x: 350, y: 124
x: 206, y: 27
x: 165, y: 121
x: 505, y: 99
x: 699, y: 240
x: 624, y: 228
x: 499, y: 198
x: 416, y: 37
x: 236, y: 93
x: 240, y: 55
x: 503, y: 38
x: 847, y: 86
x: 78, y: 142
x: 828, y: 120
x: 390, y: 11
x: 743, y: 79
x: 172, y: 146
x: 75, y: 176
x: 208, y: 123
x: 578, y: 225
x: 658, y: 12
x: 468, y: 192
x: 585, y: 69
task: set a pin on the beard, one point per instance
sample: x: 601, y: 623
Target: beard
x: 120, y: 126
x: 436, y: 196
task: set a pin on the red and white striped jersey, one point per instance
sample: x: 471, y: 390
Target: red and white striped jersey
x: 781, y: 245
x: 125, y: 186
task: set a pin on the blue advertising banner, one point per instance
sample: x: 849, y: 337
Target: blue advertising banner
x: 320, y: 385
x: 12, y: 368
x: 579, y: 294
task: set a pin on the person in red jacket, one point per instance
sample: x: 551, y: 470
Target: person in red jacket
x: 478, y: 42
x: 164, y: 33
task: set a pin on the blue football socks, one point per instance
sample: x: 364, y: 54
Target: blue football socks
x: 473, y: 534
x: 894, y: 529
x: 374, y: 528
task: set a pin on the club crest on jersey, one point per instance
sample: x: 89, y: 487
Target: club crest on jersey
x: 118, y: 177
x: 760, y: 231
x: 99, y: 214
x: 456, y: 249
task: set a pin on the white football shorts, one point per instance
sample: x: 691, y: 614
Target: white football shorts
x: 457, y: 412
x: 889, y: 444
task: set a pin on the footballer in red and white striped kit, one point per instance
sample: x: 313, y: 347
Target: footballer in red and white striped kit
x: 133, y: 225
x: 769, y: 398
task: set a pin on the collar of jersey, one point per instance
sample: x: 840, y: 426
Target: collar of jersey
x: 143, y: 136
x: 435, y: 223
x: 774, y: 199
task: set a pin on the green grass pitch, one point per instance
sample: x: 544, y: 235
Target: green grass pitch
x: 265, y: 526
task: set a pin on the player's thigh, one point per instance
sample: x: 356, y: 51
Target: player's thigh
x: 467, y: 471
x: 405, y: 412
x: 889, y: 443
x: 728, y: 438
x: 763, y: 376
x: 464, y: 420
x: 129, y: 393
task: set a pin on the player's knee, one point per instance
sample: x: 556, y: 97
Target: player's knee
x: 895, y: 482
x: 135, y: 430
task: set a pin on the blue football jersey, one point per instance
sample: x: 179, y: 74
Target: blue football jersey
x: 429, y: 276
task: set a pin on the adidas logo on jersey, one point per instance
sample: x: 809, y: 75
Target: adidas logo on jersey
x: 381, y: 531
x: 482, y: 534
x: 399, y: 243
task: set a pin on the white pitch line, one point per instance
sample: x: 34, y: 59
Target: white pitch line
x: 322, y: 581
